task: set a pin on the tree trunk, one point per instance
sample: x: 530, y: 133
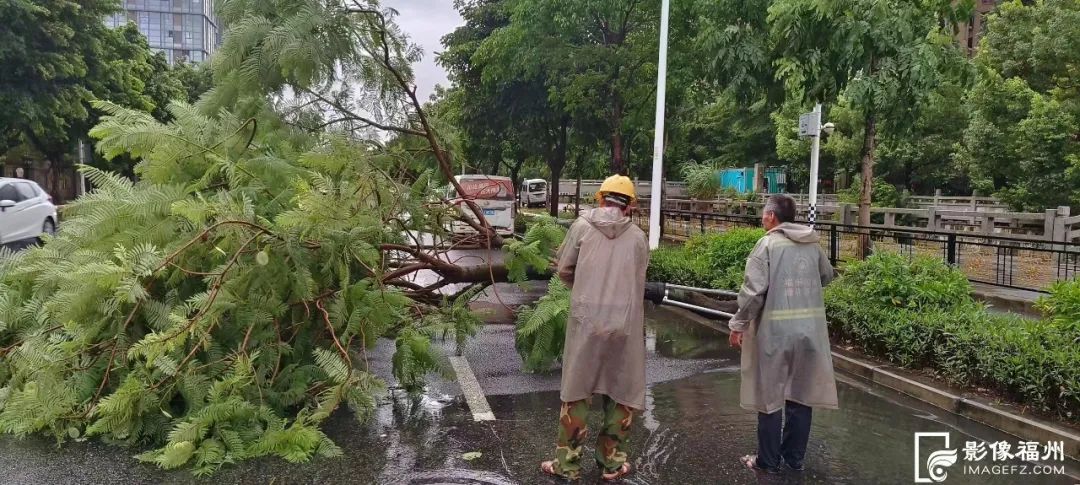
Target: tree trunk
x: 618, y: 162
x: 515, y: 171
x: 907, y: 176
x: 577, y: 192
x: 869, y: 145
x: 555, y: 165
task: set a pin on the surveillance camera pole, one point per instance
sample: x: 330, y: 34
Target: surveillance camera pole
x: 815, y: 136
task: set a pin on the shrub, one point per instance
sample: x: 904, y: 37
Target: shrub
x: 895, y: 281
x: 724, y: 255
x: 919, y: 315
x: 701, y: 180
x: 1063, y: 306
x: 679, y: 266
x: 706, y: 261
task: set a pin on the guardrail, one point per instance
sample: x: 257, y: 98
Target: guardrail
x: 1052, y: 225
x: 1003, y: 261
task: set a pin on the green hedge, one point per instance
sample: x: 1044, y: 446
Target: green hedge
x: 706, y: 261
x: 1063, y: 306
x: 919, y: 315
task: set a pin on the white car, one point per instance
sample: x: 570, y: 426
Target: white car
x: 26, y: 211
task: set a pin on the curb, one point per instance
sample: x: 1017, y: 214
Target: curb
x: 1019, y: 426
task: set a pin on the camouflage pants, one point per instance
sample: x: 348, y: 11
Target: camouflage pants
x: 573, y: 431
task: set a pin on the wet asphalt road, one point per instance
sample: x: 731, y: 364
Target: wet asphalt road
x: 693, y: 431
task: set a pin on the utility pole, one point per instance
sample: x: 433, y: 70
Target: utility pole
x: 658, y: 135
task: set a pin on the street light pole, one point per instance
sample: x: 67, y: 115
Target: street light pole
x: 658, y: 140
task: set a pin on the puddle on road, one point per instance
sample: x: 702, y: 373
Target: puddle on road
x: 668, y: 334
x: 693, y: 432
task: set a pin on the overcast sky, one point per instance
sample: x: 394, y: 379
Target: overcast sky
x: 426, y: 21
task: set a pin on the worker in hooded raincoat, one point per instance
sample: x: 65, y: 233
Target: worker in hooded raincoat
x: 787, y: 365
x: 603, y: 260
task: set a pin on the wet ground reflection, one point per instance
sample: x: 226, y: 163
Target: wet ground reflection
x: 693, y: 432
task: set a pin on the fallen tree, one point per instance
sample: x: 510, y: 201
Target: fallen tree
x: 221, y: 307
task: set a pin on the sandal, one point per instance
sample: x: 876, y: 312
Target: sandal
x: 548, y: 468
x: 623, y: 471
x: 750, y: 461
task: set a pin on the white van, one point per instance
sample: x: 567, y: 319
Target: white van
x: 534, y: 193
x: 495, y: 195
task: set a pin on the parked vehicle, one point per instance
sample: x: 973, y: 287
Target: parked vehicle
x: 494, y: 195
x: 534, y: 193
x: 26, y: 211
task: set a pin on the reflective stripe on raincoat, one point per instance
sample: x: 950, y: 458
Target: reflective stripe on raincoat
x: 603, y: 259
x: 786, y: 354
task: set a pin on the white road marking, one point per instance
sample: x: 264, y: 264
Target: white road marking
x: 474, y: 395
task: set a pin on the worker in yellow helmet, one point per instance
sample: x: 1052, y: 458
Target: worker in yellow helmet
x: 603, y: 260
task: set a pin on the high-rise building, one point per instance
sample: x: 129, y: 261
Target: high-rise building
x: 971, y: 32
x: 185, y: 30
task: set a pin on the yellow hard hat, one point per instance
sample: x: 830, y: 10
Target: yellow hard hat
x: 617, y: 184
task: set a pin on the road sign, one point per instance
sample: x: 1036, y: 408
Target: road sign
x: 810, y: 124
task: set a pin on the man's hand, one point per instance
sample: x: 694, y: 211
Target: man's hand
x: 735, y: 339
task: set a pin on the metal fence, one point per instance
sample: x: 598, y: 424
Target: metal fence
x: 993, y: 260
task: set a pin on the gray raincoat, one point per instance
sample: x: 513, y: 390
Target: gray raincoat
x: 786, y: 353
x: 603, y: 259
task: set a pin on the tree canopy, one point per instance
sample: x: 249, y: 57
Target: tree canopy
x: 268, y: 244
x: 59, y: 57
x: 1023, y: 138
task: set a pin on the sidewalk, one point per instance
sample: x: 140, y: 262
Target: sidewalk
x: 1021, y: 302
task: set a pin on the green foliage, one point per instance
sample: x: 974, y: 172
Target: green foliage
x: 576, y: 64
x: 535, y: 251
x: 541, y: 328
x: 59, y: 56
x: 1021, y: 141
x: 706, y: 261
x: 883, y: 194
x: 724, y: 255
x: 920, y: 315
x: 1063, y: 306
x: 196, y: 79
x: 679, y: 266
x: 890, y: 279
x: 234, y: 291
x: 702, y: 180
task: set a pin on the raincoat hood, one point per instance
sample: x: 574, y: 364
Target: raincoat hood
x: 797, y: 232
x: 610, y: 221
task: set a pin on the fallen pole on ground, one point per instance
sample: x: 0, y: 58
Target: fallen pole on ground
x: 660, y: 293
